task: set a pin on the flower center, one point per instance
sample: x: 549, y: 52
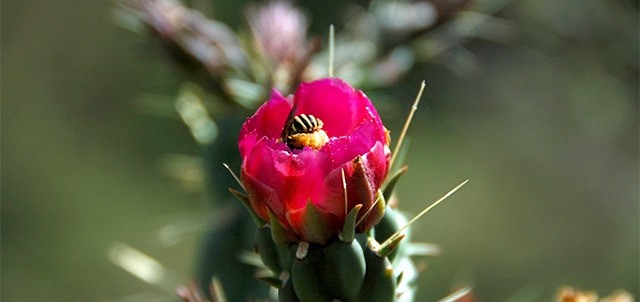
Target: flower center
x: 304, y: 131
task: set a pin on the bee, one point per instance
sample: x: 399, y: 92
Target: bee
x: 304, y: 131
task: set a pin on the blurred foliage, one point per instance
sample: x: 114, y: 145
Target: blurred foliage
x: 544, y: 121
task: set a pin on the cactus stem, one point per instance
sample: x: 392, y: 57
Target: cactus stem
x: 234, y: 176
x: 303, y: 248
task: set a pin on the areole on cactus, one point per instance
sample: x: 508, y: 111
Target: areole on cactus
x: 301, y: 187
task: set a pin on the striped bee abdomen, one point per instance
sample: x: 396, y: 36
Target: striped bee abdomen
x: 305, y: 124
x: 305, y: 131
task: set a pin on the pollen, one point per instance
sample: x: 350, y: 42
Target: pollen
x: 315, y: 140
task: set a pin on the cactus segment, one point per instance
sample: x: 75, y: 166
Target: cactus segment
x: 355, y: 270
x: 276, y: 257
x: 392, y: 221
x: 358, y: 270
x: 379, y: 282
x: 329, y: 273
x: 349, y: 228
x: 344, y: 270
x: 306, y: 279
x: 286, y: 293
x: 286, y: 254
x: 363, y: 239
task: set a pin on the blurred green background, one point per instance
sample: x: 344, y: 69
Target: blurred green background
x: 545, y: 127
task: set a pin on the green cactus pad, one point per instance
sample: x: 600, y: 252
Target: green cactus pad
x: 379, y: 283
x: 307, y: 281
x: 392, y: 221
x: 287, y: 294
x: 286, y: 253
x: 344, y: 269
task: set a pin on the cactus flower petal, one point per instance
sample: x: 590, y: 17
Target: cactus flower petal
x: 303, y: 187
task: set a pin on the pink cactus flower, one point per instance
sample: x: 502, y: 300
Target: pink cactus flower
x: 299, y: 181
x: 279, y: 30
